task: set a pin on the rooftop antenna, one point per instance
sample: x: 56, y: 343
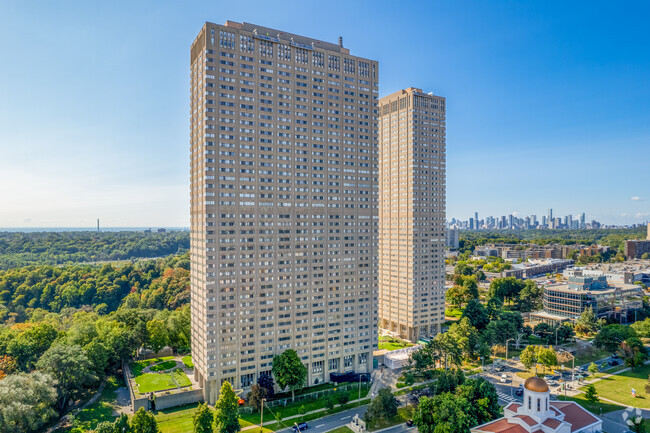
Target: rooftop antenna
x: 97, y: 225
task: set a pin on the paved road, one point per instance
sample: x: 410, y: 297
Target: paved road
x: 330, y: 422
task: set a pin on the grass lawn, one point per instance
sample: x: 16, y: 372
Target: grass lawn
x: 101, y: 410
x: 619, y: 386
x: 591, y: 356
x: 343, y: 429
x: 310, y: 405
x: 138, y: 366
x: 160, y: 381
x: 180, y: 420
x: 164, y: 366
x: 591, y: 407
x: 187, y: 360
x: 391, y: 343
x: 403, y: 414
x: 454, y: 312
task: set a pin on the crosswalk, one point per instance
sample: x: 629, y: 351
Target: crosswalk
x: 506, y: 397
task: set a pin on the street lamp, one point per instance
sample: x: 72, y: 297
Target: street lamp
x: 509, y: 339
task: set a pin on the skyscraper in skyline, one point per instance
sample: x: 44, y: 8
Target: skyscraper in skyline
x: 283, y: 205
x: 412, y: 173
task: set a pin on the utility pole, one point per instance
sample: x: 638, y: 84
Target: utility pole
x: 262, y: 417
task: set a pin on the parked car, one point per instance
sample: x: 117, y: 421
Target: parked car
x: 302, y: 426
x: 614, y: 356
x: 409, y: 423
x: 519, y: 392
x: 613, y: 362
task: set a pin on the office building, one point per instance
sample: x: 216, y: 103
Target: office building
x: 453, y: 238
x: 412, y: 213
x: 566, y: 301
x: 283, y: 205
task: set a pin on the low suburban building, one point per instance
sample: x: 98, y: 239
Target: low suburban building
x: 539, y: 414
x: 564, y: 301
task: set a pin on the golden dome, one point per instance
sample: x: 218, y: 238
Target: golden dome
x: 536, y: 384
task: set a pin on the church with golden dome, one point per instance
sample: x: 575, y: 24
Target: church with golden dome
x: 538, y: 414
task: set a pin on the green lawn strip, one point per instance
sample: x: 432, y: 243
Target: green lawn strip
x: 392, y: 343
x: 102, y: 409
x: 292, y: 409
x: 403, y: 414
x: 593, y: 356
x: 619, y: 387
x: 412, y: 388
x: 187, y: 360
x: 591, y: 407
x: 315, y: 388
x: 343, y: 429
x: 454, y: 312
x: 180, y: 420
x: 164, y: 366
x: 138, y: 366
x: 149, y: 382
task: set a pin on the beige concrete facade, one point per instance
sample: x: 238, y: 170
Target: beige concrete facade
x: 412, y: 213
x: 283, y: 205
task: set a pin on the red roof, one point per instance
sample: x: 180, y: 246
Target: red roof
x: 574, y: 414
x: 552, y: 423
x: 501, y: 426
x: 528, y: 420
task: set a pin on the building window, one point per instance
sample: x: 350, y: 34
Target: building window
x: 539, y: 405
x: 529, y: 403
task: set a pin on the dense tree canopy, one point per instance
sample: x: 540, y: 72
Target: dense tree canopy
x: 56, y: 248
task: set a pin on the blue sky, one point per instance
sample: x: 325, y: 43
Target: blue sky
x: 548, y: 102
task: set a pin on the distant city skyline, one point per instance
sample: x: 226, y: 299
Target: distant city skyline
x: 545, y: 107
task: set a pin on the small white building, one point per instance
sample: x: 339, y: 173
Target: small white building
x: 538, y: 414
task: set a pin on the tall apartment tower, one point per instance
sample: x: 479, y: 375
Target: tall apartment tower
x: 283, y: 205
x: 412, y: 213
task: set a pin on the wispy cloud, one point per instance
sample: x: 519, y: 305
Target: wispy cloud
x: 636, y: 198
x: 624, y: 214
x: 641, y: 215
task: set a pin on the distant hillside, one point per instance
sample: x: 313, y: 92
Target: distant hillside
x: 56, y: 248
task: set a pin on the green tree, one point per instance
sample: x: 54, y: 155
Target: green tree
x: 121, y: 424
x: 144, y: 422
x: 483, y: 398
x: 530, y: 297
x: 587, y: 323
x: 382, y: 407
x: 105, y: 427
x: 506, y: 288
x: 158, y: 335
x: 29, y: 345
x: 27, y: 402
x: 590, y: 393
x: 466, y: 335
x: 547, y: 357
x: 499, y: 331
x: 444, y: 413
x: 70, y: 367
x: 642, y: 328
x: 266, y: 382
x: 593, y: 368
x: 203, y: 419
x: 632, y: 352
x: 447, y: 381
x: 476, y: 314
x: 289, y: 370
x: 255, y: 396
x: 227, y: 414
x: 611, y: 336
x: 528, y: 357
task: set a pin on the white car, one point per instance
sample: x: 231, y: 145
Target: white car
x: 504, y: 378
